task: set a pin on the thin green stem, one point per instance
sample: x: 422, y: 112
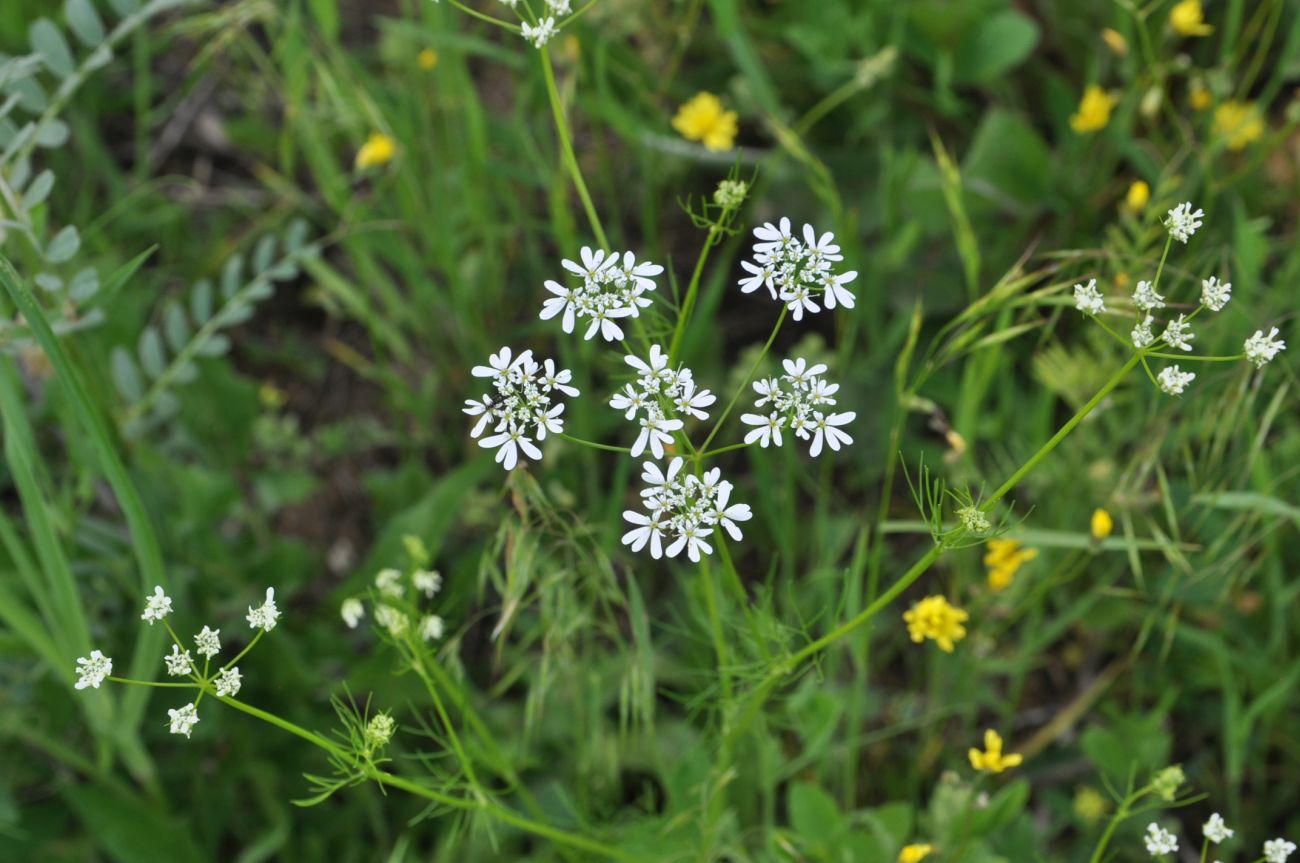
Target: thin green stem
x: 154, y: 683
x: 688, y: 304
x: 1193, y: 358
x: 721, y: 450
x: 594, y: 445
x: 247, y: 647
x: 715, y: 624
x: 566, y: 149
x: 704, y: 447
x: 482, y: 16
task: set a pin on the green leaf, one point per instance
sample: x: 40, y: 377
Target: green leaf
x: 175, y: 326
x: 264, y: 254
x: 84, y: 22
x: 39, y: 189
x: 64, y: 245
x: 1011, y: 162
x: 126, y: 377
x: 124, y: 7
x: 48, y: 282
x: 129, y: 829
x: 84, y: 285
x: 295, y: 235
x: 994, y: 46
x: 47, y: 41
x: 52, y: 134
x: 813, y: 813
x: 232, y: 275
x: 215, y: 346
x: 201, y: 301
x: 152, y: 358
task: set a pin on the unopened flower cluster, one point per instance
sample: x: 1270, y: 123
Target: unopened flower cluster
x: 681, y: 510
x: 1182, y: 222
x: 526, y: 405
x: 1161, y: 842
x: 94, y: 669
x: 397, y: 598
x: 798, y: 273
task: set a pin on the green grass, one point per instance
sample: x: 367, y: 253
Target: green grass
x: 295, y: 421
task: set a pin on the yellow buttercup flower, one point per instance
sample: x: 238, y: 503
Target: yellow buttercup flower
x: 378, y: 149
x: 1138, y: 195
x: 1238, y: 122
x: 1102, y: 524
x: 428, y: 59
x: 1094, y: 110
x: 914, y: 853
x: 1199, y: 95
x: 1004, y: 558
x: 991, y: 760
x: 1188, y: 19
x: 934, y: 618
x: 704, y: 119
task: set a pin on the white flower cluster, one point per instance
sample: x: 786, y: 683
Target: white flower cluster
x: 1160, y: 841
x: 1261, y: 349
x: 1216, y: 830
x: 1088, y: 299
x: 525, y: 396
x: 1173, y: 380
x: 1182, y: 222
x: 798, y: 400
x: 93, y: 670
x: 662, y: 395
x: 685, y: 508
x: 1277, y: 850
x: 397, y: 598
x: 609, y: 291
x: 798, y: 272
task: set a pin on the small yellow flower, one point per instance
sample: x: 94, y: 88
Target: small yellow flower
x: 991, y: 760
x: 933, y: 617
x: 704, y: 119
x: 1102, y: 524
x: 1094, y: 110
x: 1115, y: 41
x: 378, y: 149
x: 914, y: 853
x: 428, y: 59
x: 1238, y: 122
x: 1188, y: 19
x: 271, y: 396
x: 1199, y: 95
x: 1138, y: 195
x: 1089, y: 805
x: 1004, y: 559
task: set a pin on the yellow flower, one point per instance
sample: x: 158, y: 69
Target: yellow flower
x: 1004, y: 558
x: 428, y: 59
x: 934, y: 618
x: 1102, y: 524
x: 704, y: 119
x: 1089, y: 805
x: 1138, y: 195
x: 991, y: 760
x: 271, y: 396
x: 378, y: 149
x: 1199, y: 95
x: 1188, y: 19
x: 1094, y: 110
x: 914, y: 853
x: 1238, y: 122
x: 1115, y: 41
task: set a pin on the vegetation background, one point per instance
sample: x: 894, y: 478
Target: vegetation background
x: 291, y: 421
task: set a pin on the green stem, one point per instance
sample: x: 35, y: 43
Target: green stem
x: 692, y: 289
x: 515, y: 28
x: 715, y: 624
x: 721, y: 450
x: 1193, y: 358
x: 247, y: 647
x: 154, y: 683
x: 745, y: 383
x: 566, y: 149
x: 594, y: 445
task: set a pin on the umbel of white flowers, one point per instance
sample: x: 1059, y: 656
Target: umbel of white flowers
x: 681, y: 510
x: 799, y: 400
x: 798, y: 272
x: 394, y: 598
x: 526, y: 399
x: 663, y: 396
x: 94, y: 669
x: 1182, y: 223
x: 612, y: 288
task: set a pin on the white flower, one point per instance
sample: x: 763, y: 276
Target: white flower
x: 540, y: 34
x: 1173, y: 380
x: 352, y: 611
x: 1088, y: 299
x: 264, y: 617
x: 156, y: 607
x: 825, y: 428
x: 525, y: 397
x: 1160, y: 841
x: 389, y: 582
x: 1176, y: 334
x: 681, y: 511
x: 1142, y: 335
x: 428, y: 583
x: 1277, y: 850
x: 768, y: 428
x: 1182, y: 222
x: 691, y: 401
x: 431, y: 627
x: 179, y: 662
x: 796, y: 399
x: 973, y: 519
x: 207, y: 643
x: 1146, y: 298
x: 93, y: 670
x: 1261, y: 349
x: 1215, y: 294
x: 511, y: 3
x: 559, y: 7
x: 229, y: 680
x: 798, y: 272
x: 1215, y: 830
x: 610, y: 291
x: 655, y: 433
x: 184, y: 719
x: 391, y: 619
